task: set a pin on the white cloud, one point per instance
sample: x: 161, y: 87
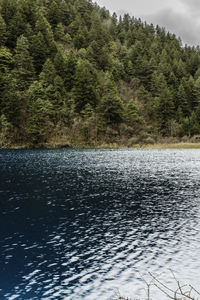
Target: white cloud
x: 182, y: 24
x: 177, y: 16
x: 193, y: 6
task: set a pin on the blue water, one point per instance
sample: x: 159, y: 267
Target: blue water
x: 79, y: 224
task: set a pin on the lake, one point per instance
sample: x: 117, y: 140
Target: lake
x: 80, y: 224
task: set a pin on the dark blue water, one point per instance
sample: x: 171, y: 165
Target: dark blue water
x: 78, y: 224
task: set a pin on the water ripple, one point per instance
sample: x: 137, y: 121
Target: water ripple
x: 77, y: 224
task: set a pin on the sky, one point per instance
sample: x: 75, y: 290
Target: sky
x: 181, y: 17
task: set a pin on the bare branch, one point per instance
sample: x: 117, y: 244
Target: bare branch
x: 180, y: 293
x: 160, y: 283
x: 194, y: 289
x: 162, y: 290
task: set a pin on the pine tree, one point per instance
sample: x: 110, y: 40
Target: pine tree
x: 183, y: 101
x: 86, y: 86
x: 6, y: 59
x: 164, y: 109
x: 17, y: 26
x: 54, y: 15
x: 39, y: 125
x: 70, y: 64
x: 111, y: 107
x: 24, y: 70
x: 196, y: 95
x: 42, y: 25
x: 132, y: 114
x: 39, y: 51
x: 59, y: 33
x: 59, y: 63
x: 65, y: 13
x: 3, y: 33
x: 48, y: 73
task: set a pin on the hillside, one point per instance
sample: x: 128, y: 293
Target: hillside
x: 70, y: 73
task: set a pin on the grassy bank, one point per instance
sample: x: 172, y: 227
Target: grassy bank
x: 173, y: 146
x: 105, y: 146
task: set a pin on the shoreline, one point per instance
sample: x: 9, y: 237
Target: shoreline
x: 180, y: 145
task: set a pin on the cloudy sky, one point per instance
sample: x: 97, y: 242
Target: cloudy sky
x: 181, y: 17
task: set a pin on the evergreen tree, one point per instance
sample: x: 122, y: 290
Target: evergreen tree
x: 43, y: 26
x: 6, y: 60
x: 59, y: 33
x: 67, y: 65
x: 39, y: 125
x: 86, y: 86
x: 54, y: 15
x: 39, y: 51
x: 17, y: 26
x: 196, y: 95
x: 48, y: 73
x: 70, y: 63
x: 6, y: 63
x: 3, y: 33
x: 59, y: 63
x: 182, y: 101
x: 65, y: 14
x: 111, y: 107
x: 132, y: 114
x: 24, y: 70
x: 164, y: 109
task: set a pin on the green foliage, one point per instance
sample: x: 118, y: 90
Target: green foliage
x: 39, y: 125
x: 164, y: 107
x: 68, y: 65
x: 111, y: 107
x: 6, y: 59
x: 86, y: 86
x: 6, y: 129
x: 54, y: 14
x: 3, y: 33
x: 39, y: 51
x: 48, y: 73
x: 132, y: 114
x: 182, y: 101
x: 60, y: 33
x: 24, y: 70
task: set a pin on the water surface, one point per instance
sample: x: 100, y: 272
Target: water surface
x: 78, y: 224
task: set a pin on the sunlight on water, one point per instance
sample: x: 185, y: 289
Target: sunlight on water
x: 79, y: 224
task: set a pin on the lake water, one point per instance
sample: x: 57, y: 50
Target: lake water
x: 79, y: 224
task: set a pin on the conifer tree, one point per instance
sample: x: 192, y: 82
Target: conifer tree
x: 39, y: 125
x: 17, y: 26
x: 39, y: 51
x: 196, y: 95
x: 48, y: 73
x: 54, y: 15
x: 59, y: 63
x: 70, y: 63
x: 24, y: 70
x: 86, y: 86
x: 111, y: 107
x: 182, y: 101
x: 65, y: 13
x: 132, y: 114
x: 3, y: 33
x: 164, y: 109
x: 59, y: 33
x: 6, y: 60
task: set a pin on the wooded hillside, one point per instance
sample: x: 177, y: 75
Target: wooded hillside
x: 71, y: 72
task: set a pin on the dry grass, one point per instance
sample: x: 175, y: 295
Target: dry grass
x: 173, y: 146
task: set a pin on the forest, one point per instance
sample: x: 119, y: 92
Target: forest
x: 73, y: 74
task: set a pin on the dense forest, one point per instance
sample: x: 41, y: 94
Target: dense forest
x: 71, y: 73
